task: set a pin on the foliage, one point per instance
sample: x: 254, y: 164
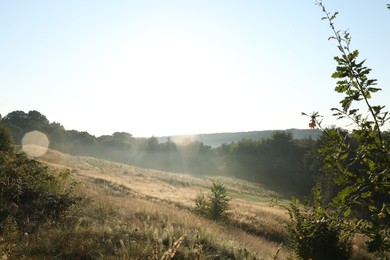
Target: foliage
x: 276, y: 162
x: 219, y: 202
x: 201, y: 205
x: 315, y: 234
x: 216, y: 205
x: 5, y: 139
x: 30, y: 193
x: 359, y: 162
x: 192, y: 157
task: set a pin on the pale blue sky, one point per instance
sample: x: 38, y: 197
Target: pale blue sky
x: 182, y: 67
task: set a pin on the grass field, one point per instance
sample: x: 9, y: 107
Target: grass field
x: 149, y: 210
x: 134, y: 213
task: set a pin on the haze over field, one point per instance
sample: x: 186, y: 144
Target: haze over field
x: 173, y: 67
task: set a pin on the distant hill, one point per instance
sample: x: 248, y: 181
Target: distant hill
x: 217, y: 139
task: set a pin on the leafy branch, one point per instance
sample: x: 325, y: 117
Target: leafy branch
x: 359, y: 161
x: 353, y: 81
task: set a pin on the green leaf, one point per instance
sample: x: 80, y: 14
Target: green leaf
x: 377, y: 109
x: 346, y: 103
x: 357, y: 97
x: 334, y: 16
x: 347, y: 212
x: 372, y: 208
x: 353, y: 111
x: 337, y: 74
x: 366, y: 195
x: 341, y: 88
x: 373, y: 90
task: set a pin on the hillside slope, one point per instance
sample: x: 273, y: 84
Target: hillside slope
x: 255, y: 229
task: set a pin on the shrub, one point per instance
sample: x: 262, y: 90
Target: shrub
x: 201, y: 204
x: 5, y: 139
x: 219, y: 202
x: 314, y: 234
x: 216, y: 205
x: 30, y: 193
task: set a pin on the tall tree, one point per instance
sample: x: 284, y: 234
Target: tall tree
x: 359, y: 161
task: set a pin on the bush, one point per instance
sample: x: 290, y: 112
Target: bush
x: 201, y: 205
x: 314, y: 234
x: 5, y: 139
x: 216, y: 205
x: 30, y: 193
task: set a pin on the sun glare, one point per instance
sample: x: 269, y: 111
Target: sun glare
x: 183, y: 140
x: 35, y: 143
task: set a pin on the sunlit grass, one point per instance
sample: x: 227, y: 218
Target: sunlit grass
x: 148, y: 201
x: 136, y: 213
x: 129, y: 228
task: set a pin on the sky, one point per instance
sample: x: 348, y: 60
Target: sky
x: 160, y: 68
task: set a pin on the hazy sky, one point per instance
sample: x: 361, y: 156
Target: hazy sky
x: 182, y: 67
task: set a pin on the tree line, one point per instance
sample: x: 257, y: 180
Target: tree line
x: 194, y: 157
x: 282, y: 163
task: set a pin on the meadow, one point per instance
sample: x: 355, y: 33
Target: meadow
x: 135, y: 213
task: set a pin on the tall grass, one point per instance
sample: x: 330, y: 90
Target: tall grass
x: 107, y: 227
x: 134, y: 213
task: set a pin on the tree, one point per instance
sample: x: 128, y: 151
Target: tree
x: 359, y: 161
x: 5, y: 139
x: 31, y: 194
x: 219, y: 202
x: 216, y: 205
x: 16, y: 122
x: 36, y: 120
x: 364, y: 170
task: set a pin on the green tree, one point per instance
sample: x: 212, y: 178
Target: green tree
x: 276, y: 162
x: 364, y: 170
x: 16, y: 122
x: 219, y: 202
x: 30, y: 193
x: 216, y: 205
x: 359, y: 161
x: 5, y: 139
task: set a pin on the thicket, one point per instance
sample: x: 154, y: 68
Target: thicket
x: 358, y: 162
x: 31, y: 194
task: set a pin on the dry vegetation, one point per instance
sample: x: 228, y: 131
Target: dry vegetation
x: 136, y: 213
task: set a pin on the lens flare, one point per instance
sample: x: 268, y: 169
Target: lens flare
x: 35, y: 143
x: 183, y: 139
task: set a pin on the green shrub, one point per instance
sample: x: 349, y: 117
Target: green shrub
x: 216, y: 205
x: 30, y: 193
x: 5, y: 139
x: 314, y: 234
x: 201, y: 204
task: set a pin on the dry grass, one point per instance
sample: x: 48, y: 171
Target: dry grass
x: 137, y: 213
x: 148, y: 201
x: 162, y: 221
x: 174, y: 187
